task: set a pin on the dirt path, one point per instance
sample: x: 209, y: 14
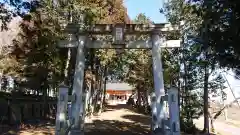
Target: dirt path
x: 118, y: 120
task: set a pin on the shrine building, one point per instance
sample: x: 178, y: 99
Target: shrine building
x: 118, y: 91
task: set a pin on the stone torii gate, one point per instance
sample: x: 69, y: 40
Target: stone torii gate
x: 79, y: 38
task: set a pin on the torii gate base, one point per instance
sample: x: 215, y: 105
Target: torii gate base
x: 161, y: 124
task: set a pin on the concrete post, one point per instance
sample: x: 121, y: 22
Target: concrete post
x: 158, y: 106
x: 61, y: 119
x: 77, y: 102
x: 173, y: 111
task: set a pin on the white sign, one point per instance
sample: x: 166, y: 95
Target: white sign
x: 171, y: 44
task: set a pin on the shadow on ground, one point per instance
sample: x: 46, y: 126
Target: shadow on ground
x: 116, y: 107
x: 113, y: 127
x: 109, y: 107
x: 141, y: 119
x: 136, y: 125
x: 33, y: 127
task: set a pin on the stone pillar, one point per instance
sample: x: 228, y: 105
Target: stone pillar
x: 173, y: 111
x: 77, y: 102
x: 61, y: 109
x: 158, y: 106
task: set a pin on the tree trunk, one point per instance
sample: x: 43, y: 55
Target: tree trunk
x: 225, y: 111
x: 103, y: 86
x: 96, y: 91
x: 206, y: 70
x: 179, y: 96
x: 212, y: 123
x: 100, y: 92
x: 185, y: 91
x: 45, y: 97
x: 146, y: 100
x: 66, y: 69
x: 97, y: 84
x: 224, y: 104
x: 90, y: 103
x: 205, y: 97
x: 1, y: 76
x: 139, y: 98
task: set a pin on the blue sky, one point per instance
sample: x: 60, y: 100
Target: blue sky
x: 149, y: 7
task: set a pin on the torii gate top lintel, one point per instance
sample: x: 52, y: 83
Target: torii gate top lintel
x: 125, y: 29
x: 107, y: 29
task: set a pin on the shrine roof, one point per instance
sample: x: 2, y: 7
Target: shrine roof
x: 119, y: 86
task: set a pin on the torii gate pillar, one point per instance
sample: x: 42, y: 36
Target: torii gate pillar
x: 76, y: 116
x: 158, y: 107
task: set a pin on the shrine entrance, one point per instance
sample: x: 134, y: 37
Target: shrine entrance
x: 79, y: 37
